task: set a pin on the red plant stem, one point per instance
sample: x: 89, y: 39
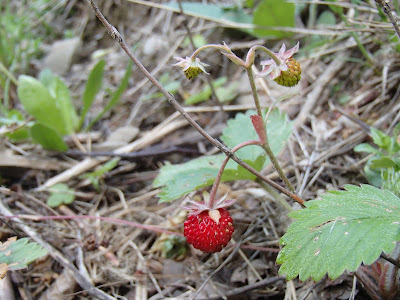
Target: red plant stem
x: 171, y: 100
x: 221, y: 169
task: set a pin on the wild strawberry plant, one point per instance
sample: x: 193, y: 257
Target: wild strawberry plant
x: 340, y: 231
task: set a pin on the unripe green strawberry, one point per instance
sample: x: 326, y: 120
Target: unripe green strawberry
x: 210, y: 230
x: 292, y: 76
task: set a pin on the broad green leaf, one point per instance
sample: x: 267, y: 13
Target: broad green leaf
x: 47, y: 137
x: 61, y: 95
x: 39, y: 103
x: 271, y: 13
x: 60, y: 193
x: 339, y: 232
x: 17, y: 254
x: 178, y: 180
x: 93, y: 86
x: 116, y: 96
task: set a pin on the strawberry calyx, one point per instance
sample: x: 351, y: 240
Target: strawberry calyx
x: 197, y: 207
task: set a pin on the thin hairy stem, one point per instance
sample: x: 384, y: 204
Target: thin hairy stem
x: 265, y: 145
x: 254, y: 90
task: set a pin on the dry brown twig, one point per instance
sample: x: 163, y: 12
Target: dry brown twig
x: 388, y: 11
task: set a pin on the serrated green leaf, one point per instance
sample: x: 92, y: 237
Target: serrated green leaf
x: 93, y: 86
x: 60, y: 194
x: 271, y: 13
x: 47, y: 137
x: 339, y: 232
x: 178, y: 180
x: 17, y: 254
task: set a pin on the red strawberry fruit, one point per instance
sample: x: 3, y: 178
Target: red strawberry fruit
x: 209, y: 230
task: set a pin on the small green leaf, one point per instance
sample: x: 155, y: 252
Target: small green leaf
x: 339, y: 232
x: 93, y: 86
x: 60, y: 194
x: 382, y: 163
x: 98, y: 174
x: 47, y: 137
x: 373, y: 175
x: 17, y: 254
x: 366, y: 148
x: 271, y: 13
x: 116, y: 96
x: 381, y: 139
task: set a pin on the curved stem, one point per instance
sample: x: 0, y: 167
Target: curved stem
x: 215, y: 46
x: 221, y: 169
x: 266, y: 50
